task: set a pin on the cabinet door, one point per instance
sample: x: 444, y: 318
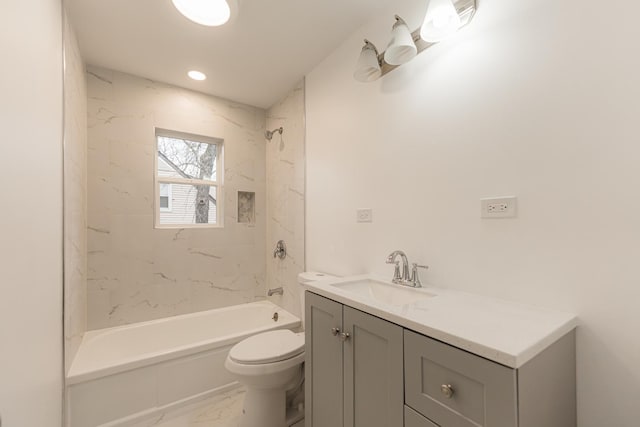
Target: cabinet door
x: 373, y: 371
x: 323, y: 366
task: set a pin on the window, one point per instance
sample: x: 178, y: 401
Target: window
x: 188, y: 180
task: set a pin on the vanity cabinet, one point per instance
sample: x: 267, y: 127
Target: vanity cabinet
x: 384, y: 375
x: 354, y: 367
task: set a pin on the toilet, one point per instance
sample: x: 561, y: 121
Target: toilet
x: 268, y: 365
x: 271, y: 366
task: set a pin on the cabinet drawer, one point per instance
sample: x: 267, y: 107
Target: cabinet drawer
x: 413, y: 419
x: 482, y: 393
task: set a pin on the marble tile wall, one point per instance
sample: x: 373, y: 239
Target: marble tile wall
x: 286, y: 197
x: 137, y: 272
x: 75, y: 195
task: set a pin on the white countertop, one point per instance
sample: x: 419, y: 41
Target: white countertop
x: 505, y: 332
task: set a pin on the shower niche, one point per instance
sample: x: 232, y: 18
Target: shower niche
x: 246, y: 207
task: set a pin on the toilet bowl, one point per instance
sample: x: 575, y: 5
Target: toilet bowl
x: 268, y: 365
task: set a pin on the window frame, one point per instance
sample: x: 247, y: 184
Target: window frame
x: 217, y: 183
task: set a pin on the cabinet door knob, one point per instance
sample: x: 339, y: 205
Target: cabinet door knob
x: 335, y: 331
x: 344, y: 336
x: 447, y: 390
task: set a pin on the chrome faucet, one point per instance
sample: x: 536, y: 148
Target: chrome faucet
x: 405, y: 279
x: 391, y: 259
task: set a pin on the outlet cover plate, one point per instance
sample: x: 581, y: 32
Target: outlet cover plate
x: 498, y: 207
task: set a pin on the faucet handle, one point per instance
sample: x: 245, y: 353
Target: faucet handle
x: 415, y: 278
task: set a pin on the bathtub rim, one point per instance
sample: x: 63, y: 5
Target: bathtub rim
x: 76, y: 375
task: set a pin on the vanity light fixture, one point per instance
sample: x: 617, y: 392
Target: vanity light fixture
x: 211, y: 13
x: 401, y: 48
x: 442, y: 19
x: 368, y: 67
x: 197, y: 75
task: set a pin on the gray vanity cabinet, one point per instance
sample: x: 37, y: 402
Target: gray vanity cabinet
x: 354, y: 367
x: 383, y: 375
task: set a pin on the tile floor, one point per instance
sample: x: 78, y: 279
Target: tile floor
x: 219, y: 411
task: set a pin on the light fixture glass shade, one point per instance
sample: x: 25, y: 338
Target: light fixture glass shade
x: 440, y: 21
x: 211, y: 13
x: 368, y: 67
x: 401, y: 48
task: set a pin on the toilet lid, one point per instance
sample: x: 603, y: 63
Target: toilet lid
x: 268, y: 347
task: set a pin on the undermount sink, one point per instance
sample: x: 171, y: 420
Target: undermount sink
x: 384, y: 293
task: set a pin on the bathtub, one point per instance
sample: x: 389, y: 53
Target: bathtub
x: 125, y: 374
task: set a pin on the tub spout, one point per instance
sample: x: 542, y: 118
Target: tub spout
x: 275, y: 291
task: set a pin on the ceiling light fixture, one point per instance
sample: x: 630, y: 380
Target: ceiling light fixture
x: 197, y: 75
x: 211, y: 13
x: 442, y: 19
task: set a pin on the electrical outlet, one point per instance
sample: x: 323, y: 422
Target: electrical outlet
x: 498, y: 207
x: 364, y: 215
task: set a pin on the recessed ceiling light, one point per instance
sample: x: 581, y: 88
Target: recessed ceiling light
x: 197, y: 75
x: 211, y: 13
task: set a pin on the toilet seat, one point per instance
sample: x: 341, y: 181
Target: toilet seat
x: 268, y: 347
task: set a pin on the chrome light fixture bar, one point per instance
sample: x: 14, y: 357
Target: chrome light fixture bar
x: 466, y: 9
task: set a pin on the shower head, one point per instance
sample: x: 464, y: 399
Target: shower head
x: 269, y: 134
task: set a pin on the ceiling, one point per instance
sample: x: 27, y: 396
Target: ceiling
x: 255, y: 59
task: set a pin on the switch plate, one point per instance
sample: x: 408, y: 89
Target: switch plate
x: 364, y: 215
x: 498, y: 207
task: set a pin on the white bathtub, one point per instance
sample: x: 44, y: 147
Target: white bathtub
x: 124, y: 374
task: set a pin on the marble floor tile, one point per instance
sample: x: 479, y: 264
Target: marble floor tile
x: 219, y: 411
x: 222, y: 410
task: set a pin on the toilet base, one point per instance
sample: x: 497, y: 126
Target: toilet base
x: 264, y: 408
x: 295, y: 417
x: 267, y: 408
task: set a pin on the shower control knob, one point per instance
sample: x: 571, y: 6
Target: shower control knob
x: 344, y: 336
x: 446, y: 390
x: 335, y: 331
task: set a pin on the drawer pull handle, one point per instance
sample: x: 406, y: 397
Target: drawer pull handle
x: 447, y: 390
x: 344, y: 336
x: 335, y: 331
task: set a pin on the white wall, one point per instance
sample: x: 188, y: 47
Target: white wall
x: 536, y: 98
x: 31, y: 244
